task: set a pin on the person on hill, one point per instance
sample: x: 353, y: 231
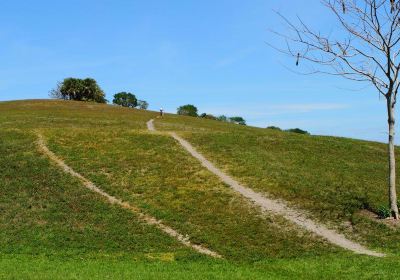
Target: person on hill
x: 161, y: 112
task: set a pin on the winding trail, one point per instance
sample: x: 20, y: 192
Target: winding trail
x: 275, y: 206
x: 113, y: 200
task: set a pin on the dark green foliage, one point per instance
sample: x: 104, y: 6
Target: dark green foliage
x: 298, y: 130
x: 238, y: 120
x: 383, y: 212
x: 79, y: 90
x: 142, y: 104
x: 125, y: 99
x: 274, y: 128
x: 187, y: 110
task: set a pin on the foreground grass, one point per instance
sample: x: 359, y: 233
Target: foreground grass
x: 25, y: 267
x: 45, y: 212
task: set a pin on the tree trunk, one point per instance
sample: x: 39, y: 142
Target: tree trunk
x: 392, y: 160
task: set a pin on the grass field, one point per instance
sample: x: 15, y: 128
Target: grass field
x: 332, y: 178
x: 52, y: 227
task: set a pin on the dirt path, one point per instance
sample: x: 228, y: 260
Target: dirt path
x: 275, y: 206
x: 150, y: 125
x: 113, y: 200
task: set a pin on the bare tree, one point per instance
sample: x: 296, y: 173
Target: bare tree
x: 56, y: 92
x: 367, y: 52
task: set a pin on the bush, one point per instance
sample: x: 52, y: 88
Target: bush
x: 383, y: 212
x: 274, y: 128
x: 222, y: 118
x: 237, y: 120
x: 298, y: 130
x: 208, y: 116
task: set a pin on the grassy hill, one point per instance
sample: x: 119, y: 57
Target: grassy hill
x: 50, y: 226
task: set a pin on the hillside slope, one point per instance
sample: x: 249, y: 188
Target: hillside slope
x: 48, y: 213
x: 333, y: 178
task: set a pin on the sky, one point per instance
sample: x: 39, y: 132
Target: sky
x: 213, y: 54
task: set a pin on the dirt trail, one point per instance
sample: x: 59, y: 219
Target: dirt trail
x: 275, y: 206
x: 113, y: 200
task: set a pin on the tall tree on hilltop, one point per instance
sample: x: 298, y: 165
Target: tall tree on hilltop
x: 368, y: 52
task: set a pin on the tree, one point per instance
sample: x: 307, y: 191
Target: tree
x: 238, y: 120
x: 92, y: 91
x: 125, y: 99
x: 56, y: 92
x: 187, y: 110
x: 369, y: 52
x: 79, y: 90
x: 143, y: 104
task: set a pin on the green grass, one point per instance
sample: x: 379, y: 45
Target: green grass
x: 26, y: 267
x: 53, y: 228
x: 332, y: 178
x: 158, y: 176
x: 45, y: 212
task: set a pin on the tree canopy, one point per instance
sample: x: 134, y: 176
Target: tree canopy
x: 188, y: 110
x: 125, y: 99
x: 238, y: 120
x: 79, y: 90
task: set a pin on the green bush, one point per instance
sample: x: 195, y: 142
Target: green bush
x: 274, y: 128
x: 298, y: 130
x: 383, y: 212
x: 237, y: 120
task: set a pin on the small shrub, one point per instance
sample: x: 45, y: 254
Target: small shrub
x: 298, y: 130
x: 208, y: 116
x: 237, y: 120
x: 383, y: 212
x: 274, y: 128
x: 222, y: 118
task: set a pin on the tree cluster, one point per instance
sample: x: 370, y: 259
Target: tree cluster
x: 79, y: 90
x: 192, y: 111
x: 127, y: 99
x: 88, y: 90
x: 293, y: 130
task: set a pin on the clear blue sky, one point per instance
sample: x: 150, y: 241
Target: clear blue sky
x: 212, y: 54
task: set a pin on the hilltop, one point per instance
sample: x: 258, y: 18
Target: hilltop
x: 50, y: 219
